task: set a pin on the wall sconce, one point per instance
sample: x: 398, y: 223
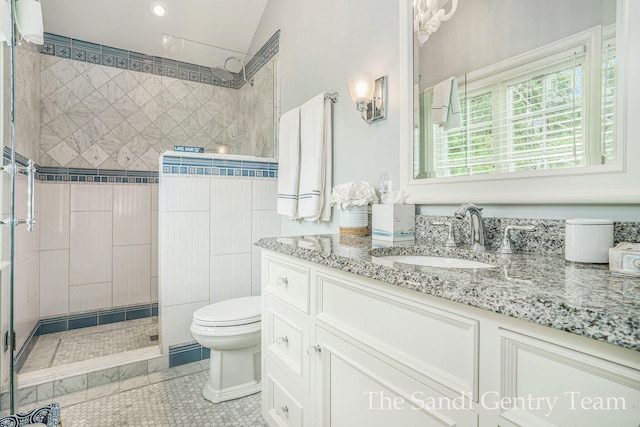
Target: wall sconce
x: 369, y: 95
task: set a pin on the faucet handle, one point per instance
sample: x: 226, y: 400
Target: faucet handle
x: 507, y: 245
x: 450, y: 242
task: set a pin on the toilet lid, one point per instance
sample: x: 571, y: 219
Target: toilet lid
x: 232, y: 312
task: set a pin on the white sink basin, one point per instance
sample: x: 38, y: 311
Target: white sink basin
x: 435, y: 261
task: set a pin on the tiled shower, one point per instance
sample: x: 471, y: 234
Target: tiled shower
x: 96, y: 119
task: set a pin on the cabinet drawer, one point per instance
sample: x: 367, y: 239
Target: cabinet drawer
x: 287, y: 281
x: 568, y: 387
x: 436, y: 343
x: 286, y: 339
x: 282, y: 404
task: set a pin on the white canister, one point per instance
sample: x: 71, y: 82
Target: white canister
x: 354, y: 221
x: 588, y: 240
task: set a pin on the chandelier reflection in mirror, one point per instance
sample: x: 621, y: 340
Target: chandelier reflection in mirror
x: 429, y: 14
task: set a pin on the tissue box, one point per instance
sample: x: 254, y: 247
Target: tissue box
x: 393, y: 222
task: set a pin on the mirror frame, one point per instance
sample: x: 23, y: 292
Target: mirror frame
x: 602, y: 184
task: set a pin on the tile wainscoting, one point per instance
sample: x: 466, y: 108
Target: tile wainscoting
x: 207, y: 226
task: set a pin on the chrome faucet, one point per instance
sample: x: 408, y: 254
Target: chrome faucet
x: 478, y: 229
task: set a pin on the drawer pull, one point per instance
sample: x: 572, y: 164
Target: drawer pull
x: 313, y: 349
x: 282, y: 340
x: 284, y: 410
x: 282, y: 281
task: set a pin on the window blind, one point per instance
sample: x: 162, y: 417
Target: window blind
x: 531, y: 117
x: 608, y: 96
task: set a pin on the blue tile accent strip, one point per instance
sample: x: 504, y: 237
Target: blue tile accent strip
x: 198, y: 165
x: 264, y: 54
x: 51, y: 326
x: 94, y: 318
x: 107, y: 176
x: 187, y: 354
x: 83, y: 320
x: 181, y: 165
x: 106, y: 318
x: 138, y: 313
x: 79, y: 50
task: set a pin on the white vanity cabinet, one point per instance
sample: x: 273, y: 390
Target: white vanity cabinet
x: 343, y: 350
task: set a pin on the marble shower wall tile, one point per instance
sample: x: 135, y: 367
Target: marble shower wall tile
x: 27, y: 68
x: 100, y: 117
x: 256, y: 125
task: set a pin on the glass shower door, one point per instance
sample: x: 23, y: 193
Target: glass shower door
x: 18, y: 276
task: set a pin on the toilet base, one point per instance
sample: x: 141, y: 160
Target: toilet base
x: 229, y: 393
x: 233, y: 374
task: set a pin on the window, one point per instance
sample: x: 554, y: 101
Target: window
x: 532, y: 112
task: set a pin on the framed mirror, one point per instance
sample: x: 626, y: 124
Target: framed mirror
x: 542, y: 100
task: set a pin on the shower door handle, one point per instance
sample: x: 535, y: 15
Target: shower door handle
x: 31, y: 187
x: 30, y: 169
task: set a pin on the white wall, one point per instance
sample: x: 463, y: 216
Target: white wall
x: 207, y: 227
x: 321, y: 45
x: 96, y: 246
x: 488, y: 31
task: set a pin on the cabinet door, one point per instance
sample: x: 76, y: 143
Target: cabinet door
x: 545, y: 384
x: 354, y: 388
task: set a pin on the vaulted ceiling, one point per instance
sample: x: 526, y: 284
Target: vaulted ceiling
x: 129, y: 24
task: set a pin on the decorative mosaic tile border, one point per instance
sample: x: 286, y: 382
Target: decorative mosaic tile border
x: 264, y: 55
x: 108, y: 176
x: 171, y: 165
x: 185, y: 165
x: 79, y: 50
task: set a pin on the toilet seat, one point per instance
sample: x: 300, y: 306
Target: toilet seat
x: 233, y: 312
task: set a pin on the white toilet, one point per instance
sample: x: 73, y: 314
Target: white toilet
x: 231, y: 329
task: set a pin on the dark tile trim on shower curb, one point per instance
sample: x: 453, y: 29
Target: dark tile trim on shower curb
x: 82, y: 320
x: 189, y: 353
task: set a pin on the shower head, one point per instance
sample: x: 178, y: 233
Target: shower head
x: 225, y: 74
x: 222, y: 73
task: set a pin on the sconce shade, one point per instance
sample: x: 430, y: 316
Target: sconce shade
x: 361, y: 87
x: 369, y: 95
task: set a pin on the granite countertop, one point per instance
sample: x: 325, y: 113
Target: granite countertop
x: 584, y: 299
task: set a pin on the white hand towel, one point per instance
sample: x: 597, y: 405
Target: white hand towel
x: 445, y: 107
x: 289, y: 163
x: 315, y: 160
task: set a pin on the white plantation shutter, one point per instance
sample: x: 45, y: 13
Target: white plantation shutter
x: 531, y: 116
x: 608, y: 94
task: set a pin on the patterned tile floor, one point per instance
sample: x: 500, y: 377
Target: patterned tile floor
x: 174, y: 402
x: 86, y: 343
x: 172, y: 397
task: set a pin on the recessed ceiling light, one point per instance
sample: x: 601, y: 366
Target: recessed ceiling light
x: 158, y: 8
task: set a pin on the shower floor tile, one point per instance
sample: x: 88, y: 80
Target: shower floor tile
x: 60, y: 348
x: 175, y: 402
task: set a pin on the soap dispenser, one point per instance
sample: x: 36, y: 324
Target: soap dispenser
x: 384, y: 185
